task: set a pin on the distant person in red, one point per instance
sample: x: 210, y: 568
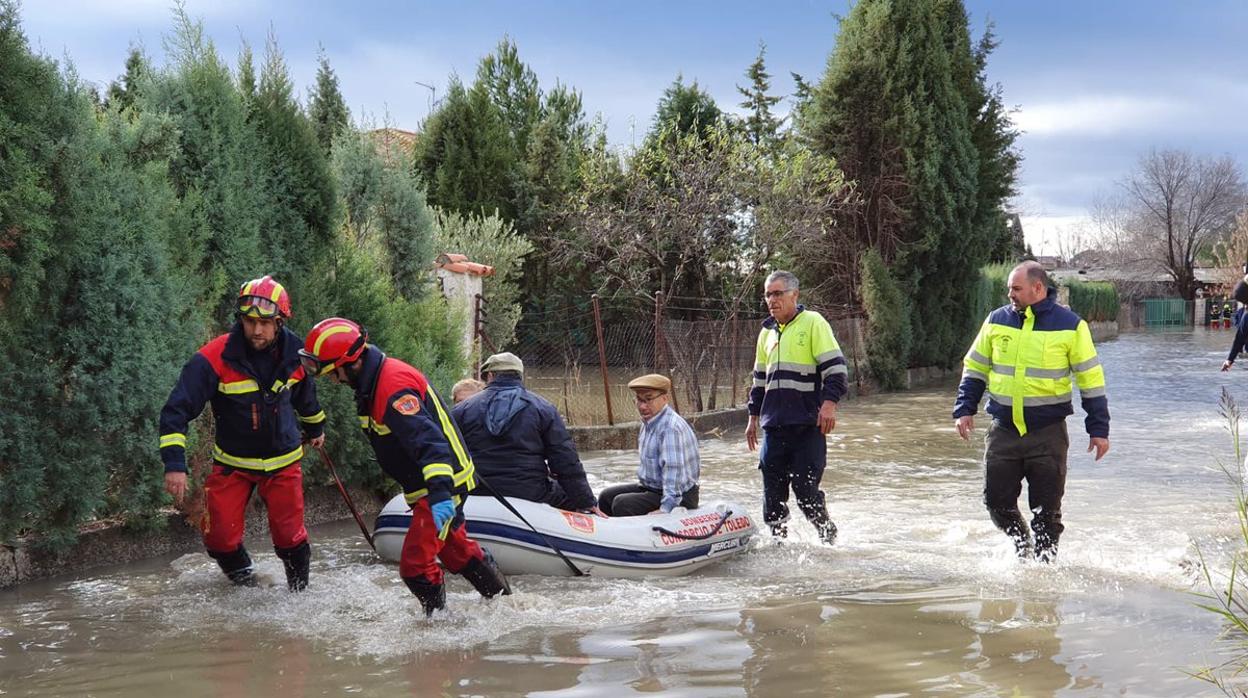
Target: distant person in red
x: 418, y: 445
x: 260, y: 403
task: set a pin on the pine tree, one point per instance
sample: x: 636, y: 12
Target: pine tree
x: 761, y: 126
x: 466, y: 154
x: 683, y: 109
x: 502, y: 145
x: 327, y: 109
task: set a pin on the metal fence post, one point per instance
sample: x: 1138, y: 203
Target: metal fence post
x: 732, y: 375
x: 660, y: 347
x: 602, y: 359
x: 658, y: 332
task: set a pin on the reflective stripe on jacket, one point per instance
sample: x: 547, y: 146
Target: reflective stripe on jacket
x: 797, y: 366
x: 1025, y: 362
x: 256, y: 428
x: 411, y: 431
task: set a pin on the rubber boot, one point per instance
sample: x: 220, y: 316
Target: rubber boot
x: 485, y: 576
x: 296, y: 560
x: 827, y: 532
x: 780, y: 530
x: 1011, y: 522
x: 432, y: 596
x: 1048, y: 528
x: 237, y: 566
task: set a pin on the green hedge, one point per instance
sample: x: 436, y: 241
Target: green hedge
x: 992, y: 291
x: 1094, y: 301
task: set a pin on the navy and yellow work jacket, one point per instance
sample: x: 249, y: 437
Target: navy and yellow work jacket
x: 259, y: 402
x: 411, y: 431
x: 1025, y: 361
x: 797, y: 366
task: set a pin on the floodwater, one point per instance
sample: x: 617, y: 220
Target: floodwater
x: 921, y: 595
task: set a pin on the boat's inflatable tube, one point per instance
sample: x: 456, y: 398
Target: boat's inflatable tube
x: 635, y: 546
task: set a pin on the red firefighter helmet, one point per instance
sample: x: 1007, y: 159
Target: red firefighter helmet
x: 333, y: 342
x: 264, y: 298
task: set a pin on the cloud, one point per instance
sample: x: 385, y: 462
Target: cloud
x: 1100, y: 115
x: 128, y: 13
x: 1058, y: 235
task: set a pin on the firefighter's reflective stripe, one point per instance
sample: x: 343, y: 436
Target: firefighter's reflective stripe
x: 261, y: 464
x: 314, y: 418
x: 173, y: 440
x: 238, y: 387
x: 452, y: 434
x: 435, y: 469
x: 463, y: 477
x: 370, y: 424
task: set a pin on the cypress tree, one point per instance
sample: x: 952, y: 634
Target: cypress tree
x: 216, y: 175
x: 86, y: 218
x: 299, y: 210
x: 890, y: 111
x: 123, y: 93
x: 327, y: 109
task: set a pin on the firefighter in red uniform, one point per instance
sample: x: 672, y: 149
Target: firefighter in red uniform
x: 260, y: 401
x: 418, y: 445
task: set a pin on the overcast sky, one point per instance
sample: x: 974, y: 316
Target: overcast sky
x: 1097, y: 84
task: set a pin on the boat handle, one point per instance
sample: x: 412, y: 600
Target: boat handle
x: 722, y: 520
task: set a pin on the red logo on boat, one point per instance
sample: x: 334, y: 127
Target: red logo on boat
x: 579, y: 522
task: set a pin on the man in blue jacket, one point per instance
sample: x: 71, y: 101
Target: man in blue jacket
x: 519, y: 443
x: 800, y: 376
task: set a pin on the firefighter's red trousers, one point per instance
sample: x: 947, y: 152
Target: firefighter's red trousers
x: 226, y: 492
x: 422, y: 548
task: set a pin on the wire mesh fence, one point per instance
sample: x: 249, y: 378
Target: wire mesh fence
x: 581, y: 358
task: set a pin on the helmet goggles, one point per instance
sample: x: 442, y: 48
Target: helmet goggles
x: 313, y: 366
x: 258, y: 307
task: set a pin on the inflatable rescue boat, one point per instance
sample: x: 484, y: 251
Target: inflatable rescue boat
x: 670, y: 544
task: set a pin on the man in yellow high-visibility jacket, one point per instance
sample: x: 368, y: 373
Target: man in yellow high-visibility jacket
x: 799, y: 377
x: 1024, y: 356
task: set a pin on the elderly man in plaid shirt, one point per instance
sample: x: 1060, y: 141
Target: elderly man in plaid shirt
x: 669, y: 468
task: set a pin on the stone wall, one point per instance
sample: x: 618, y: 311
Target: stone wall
x: 1102, y: 331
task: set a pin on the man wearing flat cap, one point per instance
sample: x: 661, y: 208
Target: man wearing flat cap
x: 669, y: 470
x: 519, y: 442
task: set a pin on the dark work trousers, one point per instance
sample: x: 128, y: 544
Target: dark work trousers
x: 559, y: 499
x: 1040, y: 458
x: 635, y: 500
x: 793, y: 456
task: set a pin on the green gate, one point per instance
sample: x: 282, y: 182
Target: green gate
x: 1165, y: 312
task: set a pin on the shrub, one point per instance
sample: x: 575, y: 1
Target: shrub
x: 888, y: 337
